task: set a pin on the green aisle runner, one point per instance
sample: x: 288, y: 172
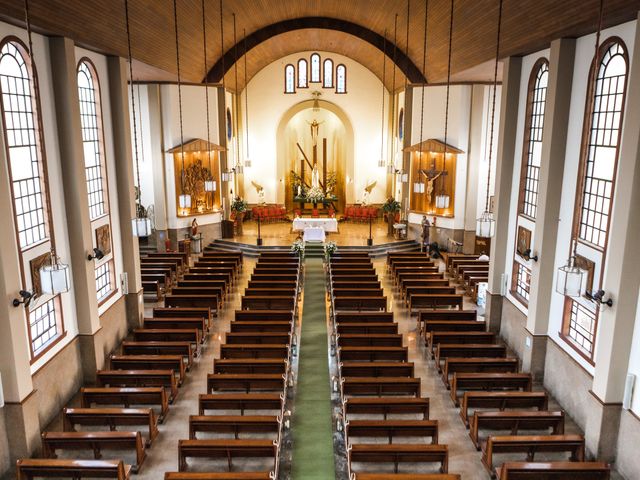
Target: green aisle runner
x: 312, y: 426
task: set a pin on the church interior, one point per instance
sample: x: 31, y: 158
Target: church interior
x: 304, y: 240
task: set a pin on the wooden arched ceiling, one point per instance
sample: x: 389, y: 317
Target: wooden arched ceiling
x: 528, y: 26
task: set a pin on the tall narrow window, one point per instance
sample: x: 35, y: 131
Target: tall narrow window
x: 327, y: 73
x: 96, y: 176
x: 302, y: 74
x: 596, y: 186
x: 341, y: 79
x: 93, y: 162
x: 315, y: 68
x: 536, y: 101
x: 289, y: 79
x: 27, y: 170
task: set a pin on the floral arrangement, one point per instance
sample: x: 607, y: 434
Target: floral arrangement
x: 329, y: 249
x: 298, y: 247
x: 315, y: 195
x: 238, y: 205
x: 391, y: 205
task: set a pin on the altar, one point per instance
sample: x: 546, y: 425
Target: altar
x: 315, y: 229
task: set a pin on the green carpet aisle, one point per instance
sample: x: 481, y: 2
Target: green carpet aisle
x: 311, y: 424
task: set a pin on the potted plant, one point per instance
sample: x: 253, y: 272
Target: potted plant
x: 390, y: 208
x: 239, y: 207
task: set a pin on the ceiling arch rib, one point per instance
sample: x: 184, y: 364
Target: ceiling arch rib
x: 329, y: 34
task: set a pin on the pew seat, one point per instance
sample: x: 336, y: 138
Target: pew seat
x: 405, y: 476
x: 502, y: 401
x: 218, y: 476
x: 258, y: 338
x: 392, y: 428
x: 250, y: 365
x: 554, y: 471
x: 477, y: 365
x: 376, y: 369
x: 370, y: 340
x: 139, y: 378
x: 240, y: 402
x: 380, y: 386
x: 367, y: 328
x: 247, y: 382
x: 397, y: 453
x: 254, y: 350
x: 225, y: 449
x: 386, y: 406
x: 150, y: 362
x: 469, y: 350
x: 233, y: 424
x: 32, y: 468
x: 127, y: 397
x: 261, y: 326
x: 169, y: 335
x: 373, y: 354
x: 489, y: 381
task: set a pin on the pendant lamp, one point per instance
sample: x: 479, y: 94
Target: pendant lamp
x: 210, y: 186
x: 391, y: 164
x: 486, y: 224
x: 247, y: 158
x: 381, y: 160
x: 54, y: 278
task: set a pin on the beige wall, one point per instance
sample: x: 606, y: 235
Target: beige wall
x: 512, y: 327
x: 628, y: 462
x: 114, y: 326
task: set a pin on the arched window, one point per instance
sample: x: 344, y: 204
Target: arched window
x: 315, y: 68
x: 96, y: 175
x: 341, y: 79
x: 596, y: 186
x: 289, y: 79
x: 302, y: 74
x: 21, y: 121
x: 529, y: 177
x: 327, y: 73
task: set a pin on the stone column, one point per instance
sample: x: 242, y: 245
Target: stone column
x: 118, y: 96
x: 556, y: 124
x: 504, y: 179
x: 621, y: 282
x: 65, y: 89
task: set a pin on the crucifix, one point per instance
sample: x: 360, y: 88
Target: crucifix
x: 432, y: 175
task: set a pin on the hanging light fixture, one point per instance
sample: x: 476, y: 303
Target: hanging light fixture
x: 391, y: 166
x: 184, y: 199
x: 210, y: 186
x: 381, y: 160
x: 54, y: 278
x: 419, y: 185
x: 239, y: 168
x: 570, y: 277
x: 486, y: 224
x: 141, y: 224
x: 247, y: 159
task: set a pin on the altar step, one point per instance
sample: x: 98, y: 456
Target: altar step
x: 313, y: 249
x: 375, y: 251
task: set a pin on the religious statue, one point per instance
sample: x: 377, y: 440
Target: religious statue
x: 315, y: 130
x: 425, y: 233
x: 315, y: 176
x: 430, y: 182
x: 194, y: 228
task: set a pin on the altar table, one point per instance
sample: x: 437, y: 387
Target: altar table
x: 313, y: 234
x: 326, y: 224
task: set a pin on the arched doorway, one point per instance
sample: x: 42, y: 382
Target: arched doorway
x: 333, y: 139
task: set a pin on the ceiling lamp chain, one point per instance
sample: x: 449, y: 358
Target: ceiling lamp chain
x: 238, y: 168
x: 209, y: 185
x: 419, y: 185
x: 391, y: 167
x: 247, y: 160
x: 381, y: 161
x: 54, y: 278
x: 486, y: 224
x: 570, y: 278
x: 442, y: 199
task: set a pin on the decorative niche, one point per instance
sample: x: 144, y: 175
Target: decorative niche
x: 199, y: 173
x: 433, y: 174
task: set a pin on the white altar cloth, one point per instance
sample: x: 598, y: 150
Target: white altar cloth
x: 314, y: 234
x: 327, y: 224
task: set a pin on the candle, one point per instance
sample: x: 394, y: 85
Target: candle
x: 299, y: 190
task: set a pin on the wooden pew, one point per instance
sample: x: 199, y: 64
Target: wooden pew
x: 360, y: 303
x: 392, y: 428
x: 469, y: 350
x: 240, y: 402
x: 351, y: 259
x: 446, y: 314
x: 183, y: 312
x: 399, y: 453
x: 261, y: 326
x: 264, y: 337
x: 376, y: 369
x: 354, y: 279
x: 274, y: 277
x: 150, y: 263
x: 204, y: 282
x: 159, y: 271
x: 253, y: 350
x: 421, y: 270
x: 278, y: 292
x: 126, y: 396
x: 139, y: 378
x: 428, y: 290
x: 450, y: 257
x: 405, y: 476
x: 290, y: 284
x: 554, y: 471
x: 380, y: 386
x: 263, y: 315
x: 340, y: 284
x: 247, y: 382
x: 150, y: 362
x: 159, y: 348
x: 181, y: 324
x: 250, y: 365
x: 470, y: 365
x: 191, y: 300
x: 532, y: 444
x: 373, y: 354
x: 96, y: 442
x: 370, y: 339
x: 514, y: 421
x: 218, y: 476
x: 357, y: 291
x: 235, y: 424
x: 31, y: 468
x: 502, y: 401
x: 112, y: 418
x: 367, y: 328
x: 459, y: 337
x: 489, y: 381
x: 386, y: 406
x: 363, y: 317
x: 225, y: 449
x: 435, y: 301
x: 267, y: 302
x: 152, y: 287
x: 454, y: 326
x: 191, y: 335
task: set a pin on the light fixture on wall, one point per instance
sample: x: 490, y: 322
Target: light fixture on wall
x: 381, y: 161
x: 486, y: 224
x: 598, y: 297
x: 247, y: 159
x: 140, y: 224
x: 54, y: 278
x: 210, y: 186
x: 25, y: 298
x: 527, y: 255
x: 96, y: 254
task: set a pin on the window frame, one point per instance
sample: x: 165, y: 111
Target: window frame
x: 587, y: 129
x: 286, y: 67
x: 311, y: 77
x: 324, y: 70
x: 298, y: 82
x: 338, y: 92
x: 24, y: 253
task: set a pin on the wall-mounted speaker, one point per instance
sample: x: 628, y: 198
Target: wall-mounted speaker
x: 124, y: 283
x: 628, y: 391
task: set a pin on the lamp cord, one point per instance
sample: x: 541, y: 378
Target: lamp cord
x: 393, y: 89
x: 175, y: 20
x: 246, y: 92
x: 206, y: 82
x: 235, y: 99
x: 424, y: 67
x: 384, y: 79
x: 493, y: 105
x: 446, y: 112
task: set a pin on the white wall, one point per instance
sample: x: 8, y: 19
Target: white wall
x: 634, y: 361
x: 583, y: 58
x: 268, y: 104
